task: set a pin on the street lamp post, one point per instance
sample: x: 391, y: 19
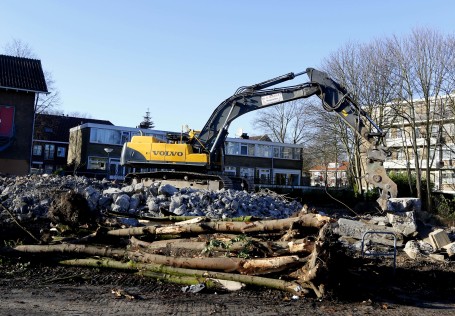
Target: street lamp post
x: 108, y: 150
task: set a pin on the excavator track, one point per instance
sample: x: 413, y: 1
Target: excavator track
x: 182, y: 179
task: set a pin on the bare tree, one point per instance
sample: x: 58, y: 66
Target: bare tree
x: 422, y: 63
x: 366, y: 75
x: 46, y: 102
x: 289, y: 122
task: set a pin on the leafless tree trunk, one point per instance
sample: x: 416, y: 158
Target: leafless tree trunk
x: 423, y: 66
x: 289, y: 122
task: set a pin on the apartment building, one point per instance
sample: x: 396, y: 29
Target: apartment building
x: 437, y: 133
x: 51, y: 140
x: 94, y: 150
x: 267, y: 163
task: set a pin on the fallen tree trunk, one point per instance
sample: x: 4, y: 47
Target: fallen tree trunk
x: 306, y: 220
x: 71, y: 248
x: 148, y: 269
x: 272, y: 248
x: 245, y: 266
x: 177, y: 218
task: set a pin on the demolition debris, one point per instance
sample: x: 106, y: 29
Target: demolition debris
x: 201, y: 239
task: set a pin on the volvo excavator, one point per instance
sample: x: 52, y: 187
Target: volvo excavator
x: 195, y: 158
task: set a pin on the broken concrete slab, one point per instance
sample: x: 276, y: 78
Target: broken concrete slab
x: 404, y: 205
x: 450, y: 249
x: 357, y: 229
x: 439, y: 239
x: 403, y: 223
x: 425, y: 247
x: 437, y: 257
x: 412, y: 249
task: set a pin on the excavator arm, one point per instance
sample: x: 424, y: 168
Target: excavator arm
x: 334, y: 98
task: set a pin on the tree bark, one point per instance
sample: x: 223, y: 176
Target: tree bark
x: 150, y: 268
x: 245, y: 266
x: 272, y: 248
x: 307, y: 220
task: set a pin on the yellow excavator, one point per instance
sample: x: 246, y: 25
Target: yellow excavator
x: 195, y: 159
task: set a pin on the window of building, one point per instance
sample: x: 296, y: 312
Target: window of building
x: 448, y: 177
x: 97, y: 163
x: 243, y: 149
x: 401, y: 155
x: 276, y: 152
x: 232, y: 148
x: 61, y: 151
x: 37, y: 150
x: 251, y: 150
x: 49, y: 150
x: 247, y: 172
x: 229, y: 170
x: 105, y: 136
x: 296, y: 153
x: 286, y: 153
x: 48, y: 169
x: 434, y: 131
x: 263, y: 175
x: 125, y: 137
x: 264, y: 151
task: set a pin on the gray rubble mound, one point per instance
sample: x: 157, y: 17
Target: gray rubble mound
x: 31, y: 197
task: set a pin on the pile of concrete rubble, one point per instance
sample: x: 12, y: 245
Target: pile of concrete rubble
x: 30, y: 197
x: 404, y: 225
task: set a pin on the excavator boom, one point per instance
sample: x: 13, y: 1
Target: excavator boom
x: 202, y: 151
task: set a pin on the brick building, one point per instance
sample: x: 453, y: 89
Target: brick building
x: 21, y: 82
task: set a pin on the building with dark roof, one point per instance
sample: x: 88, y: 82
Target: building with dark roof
x: 51, y: 140
x: 21, y: 82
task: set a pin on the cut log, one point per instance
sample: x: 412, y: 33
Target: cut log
x: 272, y: 248
x: 146, y: 269
x: 70, y: 248
x: 306, y: 220
x: 251, y: 266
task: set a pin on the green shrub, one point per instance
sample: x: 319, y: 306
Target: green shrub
x: 445, y: 207
x: 404, y: 189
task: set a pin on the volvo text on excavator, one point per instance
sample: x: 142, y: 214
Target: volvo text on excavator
x: 196, y: 158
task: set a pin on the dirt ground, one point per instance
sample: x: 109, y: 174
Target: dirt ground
x: 357, y: 286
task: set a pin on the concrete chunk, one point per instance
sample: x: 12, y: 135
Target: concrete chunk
x: 439, y: 239
x: 404, y: 205
x: 450, y: 248
x: 356, y: 229
x: 437, y: 257
x: 403, y: 223
x: 412, y: 249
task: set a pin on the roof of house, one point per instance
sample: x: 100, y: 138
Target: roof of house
x: 264, y: 138
x: 57, y: 127
x: 22, y: 74
x: 341, y: 167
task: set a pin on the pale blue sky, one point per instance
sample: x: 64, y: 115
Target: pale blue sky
x: 114, y: 59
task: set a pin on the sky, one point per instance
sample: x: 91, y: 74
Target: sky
x: 114, y: 60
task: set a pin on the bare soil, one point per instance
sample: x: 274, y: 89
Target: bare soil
x: 356, y: 286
